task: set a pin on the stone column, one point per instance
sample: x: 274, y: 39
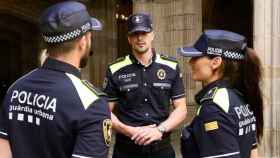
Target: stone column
x: 267, y: 45
x: 176, y: 23
x: 104, y: 43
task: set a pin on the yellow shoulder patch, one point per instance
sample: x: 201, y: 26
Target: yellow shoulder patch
x: 107, y: 131
x: 221, y: 98
x: 120, y: 64
x: 86, y: 95
x: 210, y: 126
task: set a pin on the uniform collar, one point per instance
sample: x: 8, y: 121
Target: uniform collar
x: 57, y: 65
x: 135, y: 61
x: 207, y: 90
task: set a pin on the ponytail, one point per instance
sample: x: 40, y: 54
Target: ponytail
x: 251, y: 75
x: 245, y: 76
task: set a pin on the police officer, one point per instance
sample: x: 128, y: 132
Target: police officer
x: 50, y: 112
x: 229, y: 121
x: 140, y: 86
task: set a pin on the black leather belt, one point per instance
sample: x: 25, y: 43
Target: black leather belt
x: 124, y: 143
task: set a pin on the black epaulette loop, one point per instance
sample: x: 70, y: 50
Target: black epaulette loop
x: 210, y: 95
x: 94, y: 89
x: 170, y: 58
x: 117, y: 60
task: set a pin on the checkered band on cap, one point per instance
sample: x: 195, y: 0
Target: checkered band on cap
x: 67, y: 36
x: 233, y: 55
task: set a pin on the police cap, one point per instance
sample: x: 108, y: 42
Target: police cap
x: 217, y: 43
x: 139, y: 22
x: 66, y: 21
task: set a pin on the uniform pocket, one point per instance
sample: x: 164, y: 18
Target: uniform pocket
x: 162, y: 86
x: 130, y: 95
x: 128, y: 87
x: 162, y: 92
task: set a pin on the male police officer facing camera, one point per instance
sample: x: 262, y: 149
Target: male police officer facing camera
x: 51, y: 112
x: 141, y: 85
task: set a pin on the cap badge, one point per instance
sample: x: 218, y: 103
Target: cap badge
x: 161, y: 74
x: 137, y: 19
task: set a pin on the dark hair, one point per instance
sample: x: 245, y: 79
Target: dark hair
x: 245, y: 76
x: 63, y: 47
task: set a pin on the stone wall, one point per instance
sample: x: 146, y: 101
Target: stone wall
x: 267, y: 45
x: 104, y: 42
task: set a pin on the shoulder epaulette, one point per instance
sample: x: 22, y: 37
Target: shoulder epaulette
x: 117, y: 60
x: 165, y: 60
x: 95, y: 90
x: 210, y: 95
x: 219, y: 96
x: 170, y: 58
x: 120, y: 63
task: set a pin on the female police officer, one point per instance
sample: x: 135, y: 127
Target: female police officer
x: 229, y: 121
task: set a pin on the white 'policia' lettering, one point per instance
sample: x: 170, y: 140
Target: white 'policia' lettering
x: 214, y: 51
x: 243, y: 110
x: 41, y: 101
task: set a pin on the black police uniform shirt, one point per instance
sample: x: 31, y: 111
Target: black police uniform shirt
x: 224, y: 126
x: 143, y: 93
x: 52, y: 113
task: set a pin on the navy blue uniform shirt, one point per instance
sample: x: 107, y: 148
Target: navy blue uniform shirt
x: 52, y: 113
x: 224, y: 126
x: 143, y: 93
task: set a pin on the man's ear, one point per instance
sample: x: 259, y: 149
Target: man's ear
x: 216, y: 62
x: 82, y: 42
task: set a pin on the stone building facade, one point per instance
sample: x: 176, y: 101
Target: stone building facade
x: 176, y: 23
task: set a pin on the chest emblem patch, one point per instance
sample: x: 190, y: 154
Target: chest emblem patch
x: 210, y: 126
x: 107, y: 131
x: 161, y: 74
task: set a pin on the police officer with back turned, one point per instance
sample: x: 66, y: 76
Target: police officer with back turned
x: 50, y: 112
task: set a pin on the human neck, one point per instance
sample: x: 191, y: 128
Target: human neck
x: 69, y: 57
x: 144, y: 58
x: 212, y: 79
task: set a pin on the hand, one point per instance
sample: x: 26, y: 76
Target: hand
x: 146, y: 135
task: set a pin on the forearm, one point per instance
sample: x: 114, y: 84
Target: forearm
x: 5, y: 150
x: 177, y: 116
x: 151, y: 134
x: 120, y: 127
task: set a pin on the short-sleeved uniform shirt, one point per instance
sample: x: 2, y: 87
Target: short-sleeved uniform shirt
x: 225, y: 126
x: 143, y: 93
x: 52, y: 113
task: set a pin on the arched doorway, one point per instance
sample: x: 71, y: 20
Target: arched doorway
x: 123, y: 11
x: 19, y: 42
x: 232, y: 15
